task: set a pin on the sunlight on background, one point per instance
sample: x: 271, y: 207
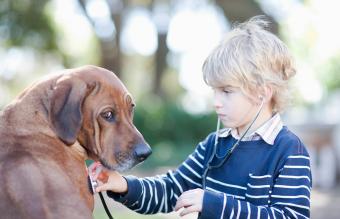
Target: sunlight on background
x: 76, y: 32
x: 139, y: 34
x: 193, y: 45
x: 310, y: 30
x: 103, y: 25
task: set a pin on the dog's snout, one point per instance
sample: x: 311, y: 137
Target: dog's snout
x: 142, y: 151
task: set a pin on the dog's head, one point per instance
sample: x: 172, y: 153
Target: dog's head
x: 92, y: 106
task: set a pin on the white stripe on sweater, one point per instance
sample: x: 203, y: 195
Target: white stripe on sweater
x: 199, y: 155
x: 150, y: 198
x: 294, y: 177
x: 259, y: 177
x: 154, y: 188
x: 156, y: 194
x: 226, y: 184
x: 292, y: 212
x: 258, y: 186
x: 295, y: 213
x: 280, y: 211
x: 292, y: 187
x: 232, y: 213
x: 258, y: 212
x: 163, y: 186
x: 238, y: 209
x: 188, y: 179
x: 235, y: 196
x: 291, y: 196
x: 299, y: 156
x: 165, y: 198
x: 202, y: 146
x: 291, y: 204
x: 191, y: 170
x: 296, y: 167
x: 249, y: 210
x: 272, y: 210
x: 257, y: 196
x: 224, y: 204
x: 196, y: 161
x: 176, y: 182
x: 143, y: 199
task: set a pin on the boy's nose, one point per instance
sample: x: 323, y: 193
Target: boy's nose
x: 217, y: 98
x: 217, y: 102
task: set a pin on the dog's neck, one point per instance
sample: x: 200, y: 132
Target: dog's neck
x: 79, y: 150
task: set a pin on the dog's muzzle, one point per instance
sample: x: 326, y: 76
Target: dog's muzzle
x: 142, y: 151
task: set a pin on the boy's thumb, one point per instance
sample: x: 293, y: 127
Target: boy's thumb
x: 103, y: 187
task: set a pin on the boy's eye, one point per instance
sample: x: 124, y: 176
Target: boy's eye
x: 223, y: 90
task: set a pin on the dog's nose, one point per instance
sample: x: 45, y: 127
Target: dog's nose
x: 142, y: 151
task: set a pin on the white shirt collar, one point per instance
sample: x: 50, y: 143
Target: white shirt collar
x: 268, y: 131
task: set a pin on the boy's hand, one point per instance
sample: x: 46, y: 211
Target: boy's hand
x: 191, y: 200
x: 107, y: 180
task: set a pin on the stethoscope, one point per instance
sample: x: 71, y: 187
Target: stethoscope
x: 230, y: 150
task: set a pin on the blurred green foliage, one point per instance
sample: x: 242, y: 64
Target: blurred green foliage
x: 26, y: 23
x: 172, y: 132
x: 330, y: 74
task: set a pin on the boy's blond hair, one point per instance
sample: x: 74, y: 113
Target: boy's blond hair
x: 251, y: 57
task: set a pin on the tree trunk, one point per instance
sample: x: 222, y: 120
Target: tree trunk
x: 109, y: 48
x: 161, y: 64
x: 112, y: 55
x: 242, y: 10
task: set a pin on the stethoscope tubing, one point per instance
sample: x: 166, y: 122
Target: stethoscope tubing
x: 230, y: 151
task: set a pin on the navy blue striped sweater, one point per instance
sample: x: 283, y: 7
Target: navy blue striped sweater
x: 259, y: 180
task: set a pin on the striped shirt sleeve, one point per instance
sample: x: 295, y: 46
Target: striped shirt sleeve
x: 289, y: 196
x: 151, y: 195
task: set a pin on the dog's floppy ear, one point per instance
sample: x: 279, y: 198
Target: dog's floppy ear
x: 66, y: 108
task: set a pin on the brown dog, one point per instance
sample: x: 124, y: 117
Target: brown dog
x: 48, y: 132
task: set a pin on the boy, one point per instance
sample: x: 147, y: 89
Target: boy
x: 256, y: 168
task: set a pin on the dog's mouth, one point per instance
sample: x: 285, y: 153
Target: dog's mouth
x: 125, y: 160
x: 123, y: 163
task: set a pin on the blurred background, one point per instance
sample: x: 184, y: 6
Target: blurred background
x: 157, y: 49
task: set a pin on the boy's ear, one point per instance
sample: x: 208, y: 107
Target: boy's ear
x: 265, y: 94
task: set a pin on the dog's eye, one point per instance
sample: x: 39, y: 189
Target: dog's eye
x: 108, y: 115
x: 132, y: 109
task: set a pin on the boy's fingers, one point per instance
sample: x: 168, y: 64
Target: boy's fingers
x: 188, y: 210
x: 94, y: 166
x: 185, y: 199
x: 101, y: 174
x: 94, y: 169
x: 103, y: 187
x: 178, y: 205
x: 95, y: 176
x: 183, y: 202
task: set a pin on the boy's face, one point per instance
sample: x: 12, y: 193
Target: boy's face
x: 233, y: 107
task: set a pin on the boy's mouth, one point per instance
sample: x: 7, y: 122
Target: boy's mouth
x: 221, y: 115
